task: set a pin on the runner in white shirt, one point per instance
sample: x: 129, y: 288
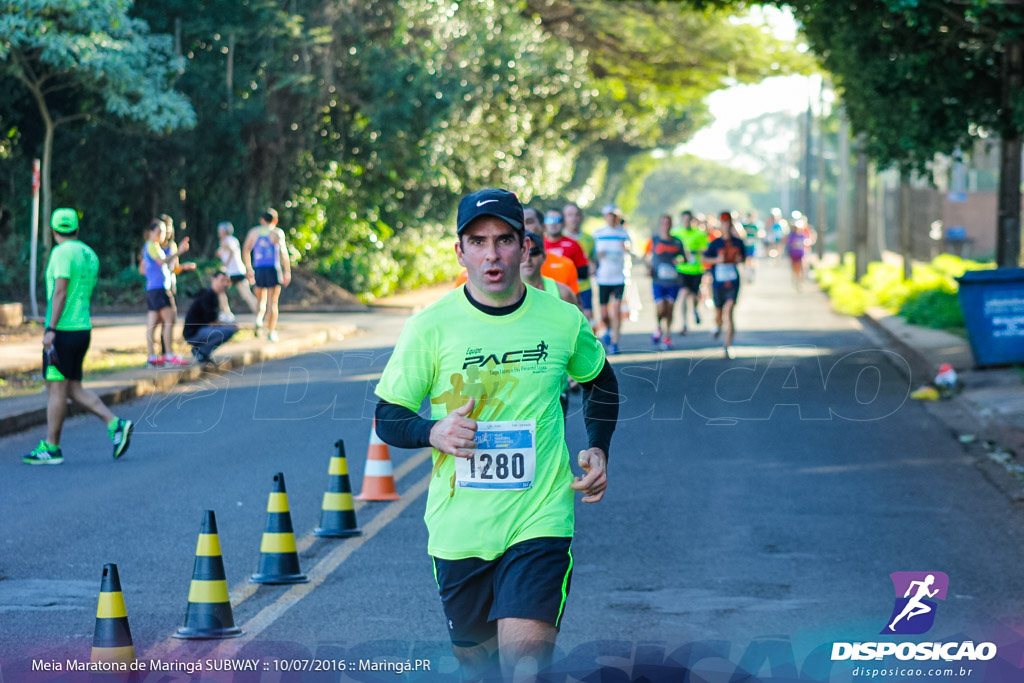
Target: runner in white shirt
x: 613, y: 247
x: 230, y: 254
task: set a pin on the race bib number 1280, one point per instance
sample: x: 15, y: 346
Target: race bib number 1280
x: 505, y: 457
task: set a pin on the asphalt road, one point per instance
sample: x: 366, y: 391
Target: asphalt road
x: 756, y: 508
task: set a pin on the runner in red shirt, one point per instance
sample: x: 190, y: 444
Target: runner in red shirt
x: 556, y: 242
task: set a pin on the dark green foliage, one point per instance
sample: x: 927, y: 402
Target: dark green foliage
x: 934, y: 308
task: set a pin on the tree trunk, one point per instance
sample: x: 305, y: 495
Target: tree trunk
x: 1008, y: 240
x: 906, y: 244
x: 860, y: 213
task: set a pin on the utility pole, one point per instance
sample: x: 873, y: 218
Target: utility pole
x: 845, y: 210
x: 820, y: 221
x: 806, y: 201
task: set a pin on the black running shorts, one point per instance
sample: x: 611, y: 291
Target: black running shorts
x: 723, y: 293
x: 157, y: 299
x: 691, y: 281
x: 266, y: 278
x: 529, y: 581
x: 606, y: 292
x: 64, y: 360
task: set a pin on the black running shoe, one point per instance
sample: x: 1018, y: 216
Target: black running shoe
x: 121, y: 435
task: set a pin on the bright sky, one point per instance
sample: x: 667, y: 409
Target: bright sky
x: 733, y: 105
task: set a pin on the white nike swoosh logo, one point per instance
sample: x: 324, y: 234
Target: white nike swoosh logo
x: 486, y: 201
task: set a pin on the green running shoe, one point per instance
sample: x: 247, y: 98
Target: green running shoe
x: 44, y: 454
x: 121, y: 435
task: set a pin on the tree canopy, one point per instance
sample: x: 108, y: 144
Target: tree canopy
x: 81, y: 60
x: 363, y: 122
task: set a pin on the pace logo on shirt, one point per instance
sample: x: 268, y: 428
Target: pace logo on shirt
x: 476, y: 357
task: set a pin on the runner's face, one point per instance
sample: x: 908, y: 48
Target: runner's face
x: 491, y: 252
x: 573, y: 217
x: 531, y: 220
x: 530, y: 268
x: 665, y: 226
x: 553, y: 229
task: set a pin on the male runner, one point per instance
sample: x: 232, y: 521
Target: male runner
x: 724, y: 255
x: 268, y: 267
x: 531, y: 270
x: 665, y: 255
x: 556, y: 243
x: 574, y: 230
x: 500, y: 505
x: 612, y: 245
x: 70, y: 278
x: 692, y: 271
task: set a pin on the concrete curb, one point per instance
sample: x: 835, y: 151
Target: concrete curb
x: 921, y: 369
x: 128, y: 385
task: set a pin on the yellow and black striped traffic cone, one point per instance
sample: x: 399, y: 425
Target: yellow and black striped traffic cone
x: 279, y: 561
x: 337, y: 515
x: 208, y: 614
x: 112, y: 639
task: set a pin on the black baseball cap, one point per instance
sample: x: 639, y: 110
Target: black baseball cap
x: 538, y: 242
x: 490, y: 202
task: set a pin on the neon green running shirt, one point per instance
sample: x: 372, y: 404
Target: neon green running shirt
x: 696, y: 242
x: 514, y: 365
x: 78, y: 264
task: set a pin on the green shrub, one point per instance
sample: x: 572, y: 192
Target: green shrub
x: 849, y: 298
x: 929, y: 298
x: 935, y: 308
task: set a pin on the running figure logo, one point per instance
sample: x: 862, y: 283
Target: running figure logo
x: 542, y: 350
x: 914, y: 611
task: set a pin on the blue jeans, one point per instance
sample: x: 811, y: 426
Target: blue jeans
x: 204, y: 340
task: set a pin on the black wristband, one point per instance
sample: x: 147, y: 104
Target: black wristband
x: 49, y: 329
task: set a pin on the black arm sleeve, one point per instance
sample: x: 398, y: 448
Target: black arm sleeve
x: 402, y: 428
x: 601, y: 408
x: 582, y: 272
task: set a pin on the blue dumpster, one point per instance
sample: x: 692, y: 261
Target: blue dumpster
x: 992, y: 302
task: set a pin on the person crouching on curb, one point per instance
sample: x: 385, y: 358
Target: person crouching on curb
x: 203, y: 330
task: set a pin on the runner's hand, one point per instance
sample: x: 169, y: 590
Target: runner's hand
x: 48, y: 339
x: 183, y: 247
x: 594, y: 462
x: 286, y: 279
x: 456, y: 433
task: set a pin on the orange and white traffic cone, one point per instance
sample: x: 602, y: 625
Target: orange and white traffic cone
x: 379, y: 475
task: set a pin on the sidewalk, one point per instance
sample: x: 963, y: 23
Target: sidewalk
x: 299, y: 332
x: 987, y: 416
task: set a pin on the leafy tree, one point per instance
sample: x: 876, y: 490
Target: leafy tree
x: 80, y: 59
x: 653, y: 64
x: 924, y: 78
x: 676, y: 180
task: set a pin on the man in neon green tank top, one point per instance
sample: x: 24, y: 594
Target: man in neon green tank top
x: 491, y: 357
x: 692, y: 271
x: 71, y: 275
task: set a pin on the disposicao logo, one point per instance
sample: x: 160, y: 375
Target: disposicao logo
x: 913, y: 613
x: 916, y: 592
